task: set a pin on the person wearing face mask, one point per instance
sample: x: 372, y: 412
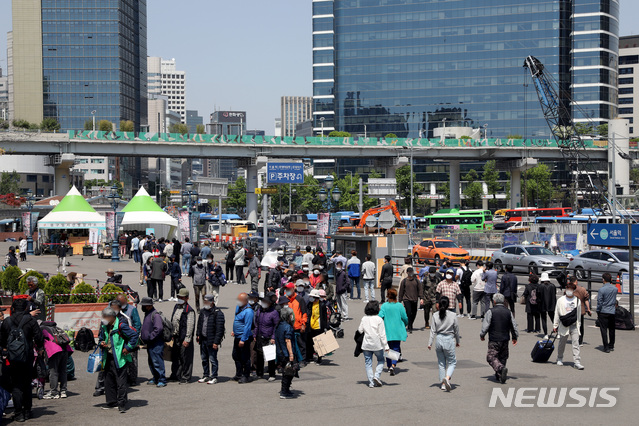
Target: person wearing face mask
x: 265, y: 322
x: 305, y: 268
x: 300, y: 289
x: 320, y: 259
x: 450, y: 289
x: 567, y: 323
x: 175, y: 271
x: 209, y: 334
x: 183, y: 320
x: 317, y: 323
x: 117, y: 341
x: 315, y: 277
x: 254, y: 270
x: 197, y: 273
x: 296, y: 303
x: 298, y: 257
x: 274, y: 279
x: 242, y: 338
x: 284, y: 338
x: 151, y: 335
x: 500, y: 325
x: 215, y: 279
x: 410, y: 291
x: 341, y: 288
x: 326, y: 286
x: 253, y: 299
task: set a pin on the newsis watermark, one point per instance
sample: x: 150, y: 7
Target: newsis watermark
x: 554, y: 397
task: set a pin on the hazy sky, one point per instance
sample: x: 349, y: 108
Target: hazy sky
x: 242, y: 54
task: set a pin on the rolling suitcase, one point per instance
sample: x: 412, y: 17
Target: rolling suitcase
x: 543, y: 349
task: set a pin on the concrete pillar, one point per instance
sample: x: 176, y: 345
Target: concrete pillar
x: 515, y: 188
x: 62, y: 175
x: 393, y: 165
x: 251, y: 197
x: 455, y: 187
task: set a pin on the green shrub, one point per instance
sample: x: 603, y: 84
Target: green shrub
x: 390, y: 136
x: 109, y: 288
x: 58, y: 285
x: 338, y: 134
x: 50, y: 125
x: 10, y: 279
x: 22, y: 285
x: 83, y: 288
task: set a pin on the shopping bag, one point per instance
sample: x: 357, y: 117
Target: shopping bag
x: 95, y: 361
x: 393, y: 355
x: 168, y: 348
x: 269, y: 353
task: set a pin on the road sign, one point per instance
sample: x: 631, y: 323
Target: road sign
x: 265, y: 191
x: 610, y: 235
x: 280, y: 173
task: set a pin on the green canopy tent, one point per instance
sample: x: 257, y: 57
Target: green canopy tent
x: 73, y: 212
x: 142, y: 212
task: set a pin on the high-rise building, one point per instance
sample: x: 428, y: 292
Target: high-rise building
x: 278, y: 127
x: 193, y: 119
x: 166, y: 80
x: 629, y: 81
x: 224, y: 123
x: 295, y: 109
x: 69, y: 58
x: 4, y: 97
x: 409, y: 67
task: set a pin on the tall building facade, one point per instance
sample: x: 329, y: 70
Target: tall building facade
x: 193, y: 119
x: 629, y: 81
x: 295, y: 109
x: 165, y: 79
x: 72, y: 57
x: 4, y: 97
x: 410, y: 66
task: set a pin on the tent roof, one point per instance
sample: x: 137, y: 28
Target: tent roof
x: 73, y: 212
x: 148, y: 218
x: 73, y: 202
x: 142, y: 202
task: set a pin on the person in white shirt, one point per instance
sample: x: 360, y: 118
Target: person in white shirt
x: 308, y: 256
x: 566, y: 305
x: 368, y: 277
x: 478, y: 290
x: 168, y: 249
x: 373, y: 342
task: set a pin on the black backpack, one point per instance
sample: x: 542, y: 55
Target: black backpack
x: 84, y: 340
x: 167, y: 326
x: 17, y: 346
x: 465, y: 279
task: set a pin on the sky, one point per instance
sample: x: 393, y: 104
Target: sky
x: 242, y: 54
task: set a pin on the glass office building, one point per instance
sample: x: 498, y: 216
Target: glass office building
x: 94, y: 58
x: 410, y: 66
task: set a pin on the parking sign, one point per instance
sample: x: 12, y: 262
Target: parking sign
x: 281, y: 173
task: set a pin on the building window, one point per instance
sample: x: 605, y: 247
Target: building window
x: 625, y: 91
x: 627, y: 80
x: 625, y: 110
x: 626, y: 70
x: 628, y: 60
x: 626, y: 101
x: 45, y: 179
x: 632, y: 130
x: 32, y: 178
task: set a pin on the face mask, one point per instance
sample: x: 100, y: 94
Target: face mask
x: 251, y: 302
x: 449, y: 277
x: 264, y: 305
x: 569, y: 293
x: 199, y: 263
x: 240, y: 304
x: 316, y: 272
x: 338, y: 268
x: 305, y: 269
x: 105, y: 322
x: 181, y: 301
x: 312, y: 299
x: 300, y: 289
x: 289, y: 293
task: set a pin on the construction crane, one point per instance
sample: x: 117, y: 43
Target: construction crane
x: 557, y: 112
x: 392, y: 206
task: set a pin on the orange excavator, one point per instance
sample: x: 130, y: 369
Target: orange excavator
x: 392, y: 206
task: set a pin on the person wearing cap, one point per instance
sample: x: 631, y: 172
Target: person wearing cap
x: 280, y: 302
x: 159, y: 270
x: 197, y: 272
x: 306, y: 267
x: 284, y: 342
x: 317, y: 323
x: 132, y: 313
x: 320, y: 259
x: 411, y: 291
x: 264, y: 323
x: 209, y: 334
x: 296, y: 303
x: 175, y: 271
x: 254, y: 270
x: 239, y: 260
x: 242, y: 337
x: 449, y: 288
x: 548, y: 301
x: 300, y: 289
x: 183, y: 320
x: 298, y: 257
x: 151, y: 335
x: 500, y: 325
x: 341, y: 290
x: 315, y: 277
x: 117, y: 341
x: 111, y: 278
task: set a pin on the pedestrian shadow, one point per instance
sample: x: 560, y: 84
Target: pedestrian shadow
x: 136, y: 403
x: 39, y: 412
x: 365, y: 382
x: 495, y: 380
x: 297, y: 393
x: 453, y: 386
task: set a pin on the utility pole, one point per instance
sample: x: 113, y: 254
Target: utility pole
x: 361, y: 197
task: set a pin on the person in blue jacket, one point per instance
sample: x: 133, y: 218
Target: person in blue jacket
x: 132, y: 312
x: 243, y: 336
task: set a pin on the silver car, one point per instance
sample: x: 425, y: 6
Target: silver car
x: 530, y: 258
x: 593, y: 263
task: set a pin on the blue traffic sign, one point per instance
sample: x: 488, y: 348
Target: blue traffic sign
x: 280, y: 173
x: 634, y: 238
x: 611, y: 235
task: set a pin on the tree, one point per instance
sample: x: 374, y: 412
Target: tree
x: 58, y: 285
x: 4, y: 125
x: 474, y: 189
x: 50, y: 125
x: 200, y: 129
x: 105, y: 126
x: 350, y: 194
x: 308, y: 197
x: 21, y: 124
x: 584, y: 129
x: 634, y: 177
x: 88, y: 125
x: 127, y: 126
x: 338, y: 134
x: 179, y: 128
x: 390, y: 136
x: 10, y: 279
x: 491, y: 178
x: 514, y: 136
x: 444, y: 189
x: 109, y: 288
x: 602, y: 130
x: 9, y: 182
x: 539, y: 188
x: 402, y: 176
x: 236, y: 195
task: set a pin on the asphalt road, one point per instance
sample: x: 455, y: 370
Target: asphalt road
x: 337, y: 391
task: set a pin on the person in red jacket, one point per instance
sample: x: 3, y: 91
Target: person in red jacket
x: 296, y: 303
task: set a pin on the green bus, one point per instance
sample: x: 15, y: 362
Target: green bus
x: 460, y: 219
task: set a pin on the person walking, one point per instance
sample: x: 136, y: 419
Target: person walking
x: 500, y: 325
x: 152, y: 336
x: 478, y: 290
x: 19, y: 372
x: 215, y: 280
x: 395, y: 322
x: 61, y: 253
x: 175, y: 272
x: 206, y: 249
x: 532, y: 296
x: 354, y: 269
x: 410, y: 294
x: 198, y: 273
x: 209, y: 334
x: 58, y: 356
x: 548, y: 302
x: 239, y: 261
x: 566, y: 324
x: 429, y: 284
x: 185, y: 251
x: 508, y: 287
x: 243, y: 337
x: 254, y: 270
x: 135, y: 249
x: 368, y: 278
x: 606, y: 306
x: 183, y: 320
x: 386, y: 277
x: 445, y: 329
x: 490, y: 287
x: 230, y: 263
x: 284, y: 335
x: 465, y: 283
x: 374, y: 342
x: 317, y: 323
x: 449, y: 288
x: 584, y: 297
x: 159, y: 269
x: 341, y: 288
x: 22, y: 246
x: 265, y: 322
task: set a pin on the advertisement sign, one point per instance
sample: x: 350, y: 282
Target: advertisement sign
x: 26, y: 223
x: 335, y: 219
x: 322, y: 224
x: 110, y: 225
x: 74, y: 317
x: 279, y: 173
x: 228, y: 117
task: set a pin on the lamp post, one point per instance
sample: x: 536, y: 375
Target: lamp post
x: 322, y: 122
x: 30, y: 202
x: 114, y: 198
x: 93, y: 118
x: 190, y: 197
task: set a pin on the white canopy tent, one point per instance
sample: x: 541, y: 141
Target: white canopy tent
x: 73, y: 212
x: 142, y: 213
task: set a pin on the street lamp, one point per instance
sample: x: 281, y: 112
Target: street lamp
x: 322, y: 123
x: 93, y: 118
x: 329, y: 181
x: 114, y: 198
x: 190, y: 197
x: 30, y: 202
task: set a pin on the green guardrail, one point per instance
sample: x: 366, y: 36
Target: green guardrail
x: 324, y: 141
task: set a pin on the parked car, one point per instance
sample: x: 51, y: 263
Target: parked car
x: 439, y: 249
x: 593, y: 263
x: 530, y: 258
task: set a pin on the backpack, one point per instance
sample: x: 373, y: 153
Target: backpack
x: 84, y: 340
x: 222, y: 279
x: 60, y: 337
x: 167, y: 327
x: 465, y: 279
x: 533, y: 297
x: 17, y: 346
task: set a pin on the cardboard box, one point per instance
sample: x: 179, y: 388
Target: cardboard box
x: 325, y: 343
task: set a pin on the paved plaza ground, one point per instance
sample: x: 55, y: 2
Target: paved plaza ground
x: 337, y: 393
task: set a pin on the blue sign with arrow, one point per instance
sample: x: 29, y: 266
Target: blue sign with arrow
x: 611, y: 235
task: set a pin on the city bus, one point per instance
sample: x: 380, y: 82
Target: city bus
x: 460, y: 219
x: 529, y: 213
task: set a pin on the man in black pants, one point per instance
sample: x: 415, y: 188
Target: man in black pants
x: 508, y: 288
x: 386, y: 277
x: 410, y: 292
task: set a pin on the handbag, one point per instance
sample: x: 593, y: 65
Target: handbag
x: 393, y: 355
x: 269, y: 353
x: 95, y: 361
x: 522, y: 300
x: 168, y: 351
x: 569, y: 319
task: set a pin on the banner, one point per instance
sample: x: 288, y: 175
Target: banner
x: 322, y: 224
x: 183, y: 224
x: 110, y: 225
x: 26, y: 223
x: 74, y: 317
x: 335, y: 219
